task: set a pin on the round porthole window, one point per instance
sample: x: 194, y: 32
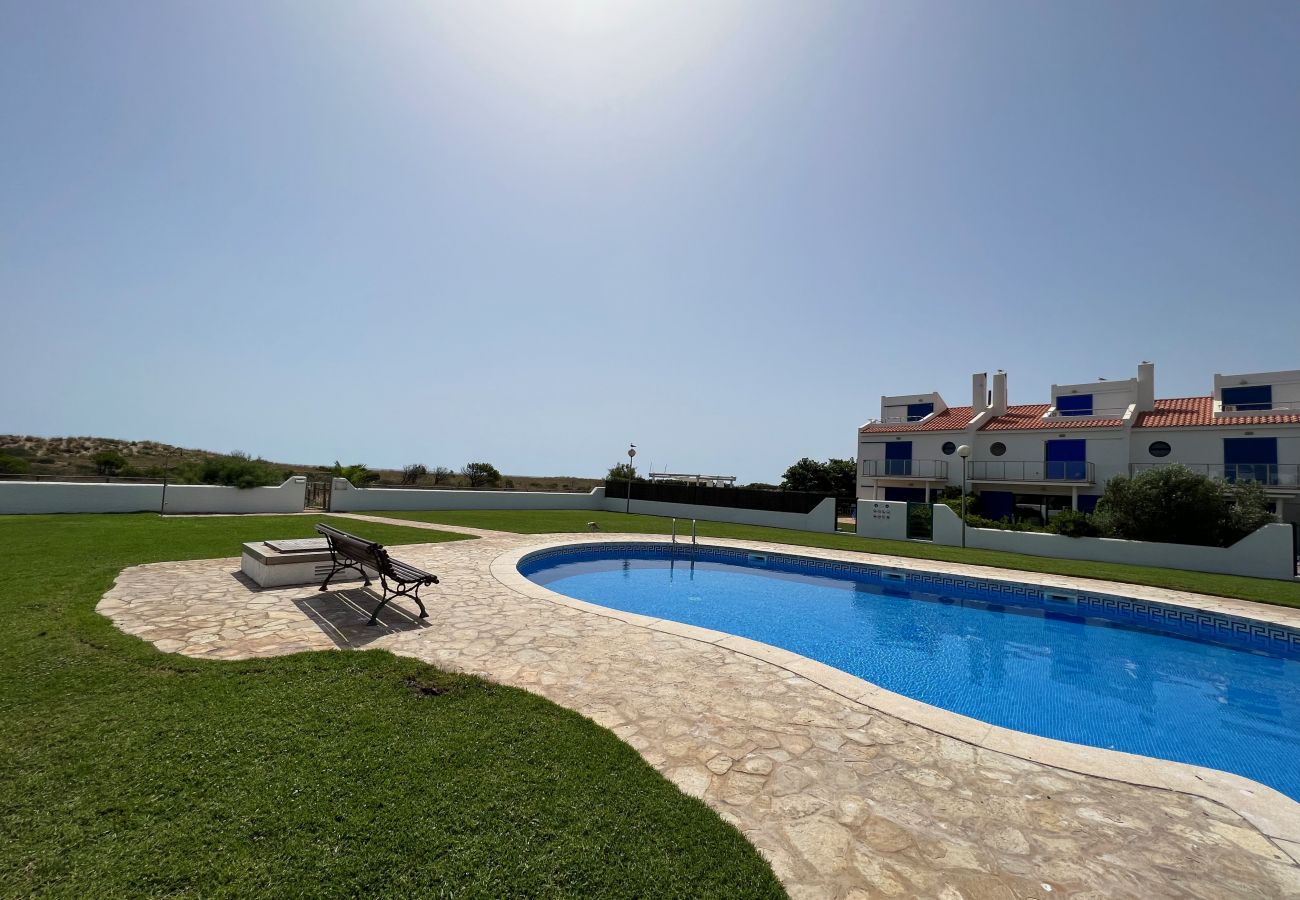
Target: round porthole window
x: 1159, y: 448
x: 998, y: 449
x: 949, y: 448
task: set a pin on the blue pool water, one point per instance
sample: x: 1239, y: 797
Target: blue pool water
x: 1088, y: 680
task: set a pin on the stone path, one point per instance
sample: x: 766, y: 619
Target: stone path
x: 846, y: 801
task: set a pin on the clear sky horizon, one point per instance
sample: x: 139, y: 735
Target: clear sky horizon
x: 529, y: 233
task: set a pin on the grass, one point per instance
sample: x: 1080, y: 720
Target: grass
x: 1263, y: 590
x: 130, y: 772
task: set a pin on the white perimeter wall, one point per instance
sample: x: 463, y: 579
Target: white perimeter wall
x: 1267, y: 553
x: 88, y: 497
x: 822, y: 518
x: 344, y: 497
x: 882, y: 519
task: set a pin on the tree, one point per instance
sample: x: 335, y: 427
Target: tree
x: 842, y: 475
x: 807, y: 475
x: 442, y: 475
x: 413, y: 473
x: 480, y: 474
x: 835, y: 476
x: 1173, y: 504
x: 108, y: 462
x: 13, y: 465
x: 623, y: 472
x: 357, y: 473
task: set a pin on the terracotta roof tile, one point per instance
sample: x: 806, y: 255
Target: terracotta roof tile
x: 954, y: 418
x: 1025, y: 418
x: 1180, y: 412
x: 1198, y: 412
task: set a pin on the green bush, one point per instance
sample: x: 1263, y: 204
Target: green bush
x: 231, y: 471
x: 1073, y: 523
x: 973, y: 521
x: 481, y: 474
x: 1174, y: 505
x: 13, y: 465
x: 357, y: 473
x: 108, y: 462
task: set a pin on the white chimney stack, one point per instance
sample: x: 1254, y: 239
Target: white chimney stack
x: 1146, y: 397
x: 999, y: 405
x: 979, y: 393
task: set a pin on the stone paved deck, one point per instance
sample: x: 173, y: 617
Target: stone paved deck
x: 845, y: 800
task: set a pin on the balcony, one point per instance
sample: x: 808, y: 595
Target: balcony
x: 1262, y: 408
x: 1072, y: 472
x: 914, y: 469
x: 1283, y: 475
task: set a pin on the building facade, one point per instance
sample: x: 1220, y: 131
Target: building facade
x: 1032, y: 461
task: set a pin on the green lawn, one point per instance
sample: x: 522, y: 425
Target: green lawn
x: 542, y: 521
x: 130, y: 772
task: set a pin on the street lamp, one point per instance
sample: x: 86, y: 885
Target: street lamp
x: 631, y: 454
x: 964, y: 452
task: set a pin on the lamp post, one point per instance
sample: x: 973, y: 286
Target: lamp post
x: 964, y: 452
x: 631, y: 454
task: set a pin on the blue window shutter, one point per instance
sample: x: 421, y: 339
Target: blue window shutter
x: 1067, y: 459
x: 1255, y: 396
x: 918, y: 411
x: 997, y: 505
x: 898, y: 458
x: 1074, y: 405
x: 1250, y: 459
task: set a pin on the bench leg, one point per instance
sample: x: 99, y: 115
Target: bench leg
x: 383, y: 600
x: 415, y: 595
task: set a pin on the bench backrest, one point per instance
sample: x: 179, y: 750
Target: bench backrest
x: 368, y: 553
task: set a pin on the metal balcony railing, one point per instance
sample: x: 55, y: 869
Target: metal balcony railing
x: 1095, y: 412
x: 1284, y: 406
x: 1013, y: 470
x: 1286, y: 475
x: 905, y: 468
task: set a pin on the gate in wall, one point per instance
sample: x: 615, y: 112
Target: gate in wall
x: 318, y: 495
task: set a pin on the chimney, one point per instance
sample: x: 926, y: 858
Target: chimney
x: 979, y: 393
x: 998, y: 406
x: 1146, y: 398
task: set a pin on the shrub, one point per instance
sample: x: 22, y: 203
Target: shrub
x: 13, y: 465
x: 108, y: 462
x: 1173, y: 504
x: 231, y: 471
x: 974, y: 521
x: 1073, y: 523
x: 357, y: 473
x: 413, y: 473
x: 481, y: 474
x: 1248, y: 511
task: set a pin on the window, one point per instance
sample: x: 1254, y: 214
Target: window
x: 1074, y: 405
x: 1159, y: 449
x: 998, y: 449
x: 1250, y: 397
x: 918, y: 411
x: 948, y: 448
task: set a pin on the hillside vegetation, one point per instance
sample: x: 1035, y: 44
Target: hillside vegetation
x: 86, y: 456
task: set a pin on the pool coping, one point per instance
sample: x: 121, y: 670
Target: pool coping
x: 1276, y: 815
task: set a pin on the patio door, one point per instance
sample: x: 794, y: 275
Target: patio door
x: 1067, y: 460
x: 898, y: 458
x: 1250, y: 459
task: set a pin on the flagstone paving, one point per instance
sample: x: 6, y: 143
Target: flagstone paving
x: 844, y: 801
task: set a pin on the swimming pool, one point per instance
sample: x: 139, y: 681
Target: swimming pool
x: 1097, y: 669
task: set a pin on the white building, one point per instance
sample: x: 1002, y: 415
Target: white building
x: 1033, y: 460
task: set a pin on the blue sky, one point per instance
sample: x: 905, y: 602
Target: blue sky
x: 531, y: 233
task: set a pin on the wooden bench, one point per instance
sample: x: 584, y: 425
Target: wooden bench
x: 347, y: 551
